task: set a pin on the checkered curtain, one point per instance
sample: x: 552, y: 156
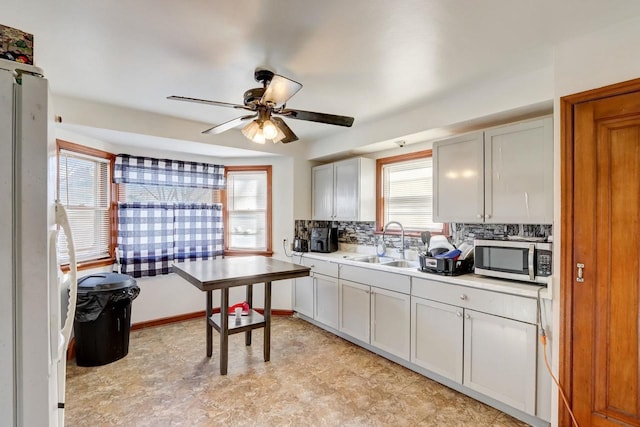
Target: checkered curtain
x: 146, y: 170
x: 197, y: 231
x: 152, y: 235
x: 145, y: 238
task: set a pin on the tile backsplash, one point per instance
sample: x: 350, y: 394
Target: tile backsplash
x: 363, y: 233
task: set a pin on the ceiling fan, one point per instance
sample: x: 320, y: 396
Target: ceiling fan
x: 265, y: 103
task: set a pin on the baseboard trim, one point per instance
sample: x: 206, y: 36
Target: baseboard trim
x: 71, y: 351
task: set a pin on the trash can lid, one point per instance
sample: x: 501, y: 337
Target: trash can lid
x: 102, y: 282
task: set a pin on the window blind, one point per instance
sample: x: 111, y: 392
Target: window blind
x: 84, y: 191
x: 247, y: 209
x: 408, y: 194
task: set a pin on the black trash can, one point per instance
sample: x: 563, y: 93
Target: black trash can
x: 103, y: 318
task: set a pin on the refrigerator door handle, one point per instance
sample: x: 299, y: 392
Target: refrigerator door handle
x: 63, y: 221
x: 65, y: 334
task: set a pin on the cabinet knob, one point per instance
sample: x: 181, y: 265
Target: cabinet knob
x: 487, y: 216
x: 463, y: 297
x: 479, y: 216
x: 466, y: 316
x: 458, y: 314
x: 312, y: 266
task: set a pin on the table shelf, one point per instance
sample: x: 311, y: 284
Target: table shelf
x: 253, y: 320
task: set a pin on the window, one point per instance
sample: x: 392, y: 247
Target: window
x: 248, y: 210
x: 405, y: 192
x: 84, y: 188
x: 166, y: 213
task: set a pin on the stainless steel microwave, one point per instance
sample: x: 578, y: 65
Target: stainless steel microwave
x: 516, y: 260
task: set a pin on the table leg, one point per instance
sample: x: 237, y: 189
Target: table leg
x: 224, y: 330
x: 208, y: 310
x: 267, y: 321
x: 247, y: 335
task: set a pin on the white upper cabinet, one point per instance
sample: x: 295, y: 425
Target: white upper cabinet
x: 518, y: 177
x: 344, y: 190
x: 322, y: 182
x: 504, y: 175
x: 458, y: 179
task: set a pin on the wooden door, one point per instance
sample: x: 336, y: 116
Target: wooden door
x: 600, y: 358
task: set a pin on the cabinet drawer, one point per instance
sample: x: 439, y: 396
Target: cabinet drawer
x: 504, y: 305
x: 320, y: 267
x: 377, y: 278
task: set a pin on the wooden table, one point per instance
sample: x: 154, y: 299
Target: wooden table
x: 225, y: 273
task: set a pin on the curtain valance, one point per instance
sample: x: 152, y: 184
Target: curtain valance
x: 146, y: 170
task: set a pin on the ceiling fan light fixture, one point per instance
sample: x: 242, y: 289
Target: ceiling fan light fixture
x: 259, y: 138
x: 269, y: 130
x: 251, y: 129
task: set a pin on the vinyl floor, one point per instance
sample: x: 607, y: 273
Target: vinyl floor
x: 313, y: 379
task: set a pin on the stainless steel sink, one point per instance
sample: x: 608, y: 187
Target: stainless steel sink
x: 401, y: 263
x: 372, y: 259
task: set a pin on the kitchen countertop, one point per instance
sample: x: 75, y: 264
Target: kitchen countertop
x: 471, y: 280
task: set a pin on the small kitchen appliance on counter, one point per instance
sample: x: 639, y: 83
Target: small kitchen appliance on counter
x: 522, y: 259
x: 324, y: 239
x: 300, y: 245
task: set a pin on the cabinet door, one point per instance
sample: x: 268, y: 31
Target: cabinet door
x: 346, y: 183
x: 322, y: 192
x: 354, y: 306
x: 519, y: 173
x: 326, y: 300
x: 391, y: 322
x: 500, y: 359
x: 436, y: 337
x: 303, y: 295
x: 458, y: 179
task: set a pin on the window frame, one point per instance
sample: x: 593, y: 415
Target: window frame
x: 384, y: 161
x: 225, y: 212
x: 113, y: 190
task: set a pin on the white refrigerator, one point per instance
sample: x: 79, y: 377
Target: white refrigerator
x: 32, y: 297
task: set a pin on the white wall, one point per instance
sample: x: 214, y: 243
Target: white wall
x: 588, y: 62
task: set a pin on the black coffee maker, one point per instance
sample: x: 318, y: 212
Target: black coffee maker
x: 324, y: 239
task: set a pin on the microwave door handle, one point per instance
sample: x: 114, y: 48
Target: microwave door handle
x: 532, y: 273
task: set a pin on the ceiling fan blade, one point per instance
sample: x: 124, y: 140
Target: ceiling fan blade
x: 289, y: 136
x: 331, y: 119
x: 229, y: 125
x: 207, y: 102
x: 280, y: 90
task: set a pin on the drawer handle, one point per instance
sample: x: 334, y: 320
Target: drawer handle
x: 463, y: 297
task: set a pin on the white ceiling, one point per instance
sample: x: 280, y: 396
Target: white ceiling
x: 362, y: 58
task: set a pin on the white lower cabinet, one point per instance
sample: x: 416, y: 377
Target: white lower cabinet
x: 390, y: 320
x: 303, y: 295
x: 355, y: 314
x: 436, y: 339
x: 326, y: 300
x: 500, y: 359
x: 376, y: 316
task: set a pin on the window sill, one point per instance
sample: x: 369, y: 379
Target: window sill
x: 85, y: 265
x: 238, y: 252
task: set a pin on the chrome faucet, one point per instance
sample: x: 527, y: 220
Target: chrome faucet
x: 401, y: 250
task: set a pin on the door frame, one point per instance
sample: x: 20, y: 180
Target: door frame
x: 567, y: 104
